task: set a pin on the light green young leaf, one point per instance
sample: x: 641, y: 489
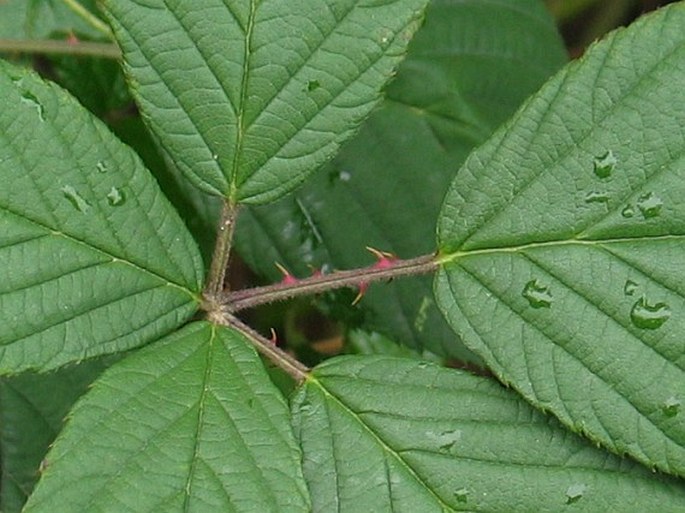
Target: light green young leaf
x: 248, y: 98
x: 563, y: 239
x: 191, y: 423
x: 94, y: 259
x: 468, y: 69
x: 390, y: 434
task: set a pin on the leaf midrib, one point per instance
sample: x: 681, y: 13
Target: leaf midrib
x: 389, y: 450
x: 449, y: 257
x: 113, y: 258
x: 617, y: 104
x: 241, y: 129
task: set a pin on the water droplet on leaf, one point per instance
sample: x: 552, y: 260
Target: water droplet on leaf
x: 650, y: 205
x: 630, y: 287
x: 116, y: 197
x: 574, y: 493
x: 101, y: 166
x: 344, y: 176
x: 671, y: 406
x: 30, y: 99
x: 596, y: 197
x: 75, y: 199
x: 461, y: 495
x: 605, y: 164
x: 647, y: 316
x: 313, y: 85
x: 537, y: 295
x: 446, y: 440
x: 628, y: 211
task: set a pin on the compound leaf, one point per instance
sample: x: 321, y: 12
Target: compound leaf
x: 390, y: 434
x: 94, y: 259
x: 562, y: 242
x: 467, y: 70
x: 248, y: 98
x: 190, y: 423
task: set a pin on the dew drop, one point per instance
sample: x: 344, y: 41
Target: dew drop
x: 344, y: 176
x: 628, y: 211
x: 630, y: 287
x: 30, y: 99
x: 461, y: 495
x: 101, y: 166
x: 574, y: 493
x: 116, y: 197
x: 650, y: 205
x: 596, y: 197
x: 671, y: 406
x: 604, y: 165
x: 75, y: 199
x: 313, y: 85
x: 446, y: 440
x: 537, y: 295
x: 648, y: 316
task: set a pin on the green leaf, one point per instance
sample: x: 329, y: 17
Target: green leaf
x: 468, y: 68
x: 562, y: 244
x: 95, y: 260
x: 390, y: 434
x: 36, y: 19
x: 248, y: 98
x: 32, y: 409
x: 191, y: 423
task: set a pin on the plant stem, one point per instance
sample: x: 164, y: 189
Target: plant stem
x: 89, y: 18
x: 56, y: 46
x: 268, y: 348
x: 222, y: 251
x: 248, y: 298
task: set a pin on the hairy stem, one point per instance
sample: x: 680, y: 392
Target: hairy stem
x: 89, y: 17
x: 64, y: 47
x: 275, y: 354
x: 247, y: 298
x: 222, y: 251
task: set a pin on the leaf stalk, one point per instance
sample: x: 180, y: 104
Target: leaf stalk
x: 358, y: 278
x: 222, y: 252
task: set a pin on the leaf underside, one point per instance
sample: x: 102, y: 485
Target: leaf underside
x: 248, y: 98
x: 390, y: 434
x: 95, y: 260
x: 190, y: 423
x: 468, y: 68
x: 562, y: 243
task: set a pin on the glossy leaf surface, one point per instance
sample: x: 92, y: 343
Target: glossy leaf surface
x: 95, y: 260
x: 563, y: 240
x: 390, y: 434
x: 191, y: 423
x: 249, y: 98
x: 468, y: 68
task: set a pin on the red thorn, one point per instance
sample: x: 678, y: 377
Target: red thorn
x: 362, y: 290
x: 315, y: 272
x: 288, y: 279
x: 385, y: 259
x: 274, y: 337
x: 72, y: 39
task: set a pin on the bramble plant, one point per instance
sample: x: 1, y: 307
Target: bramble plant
x: 557, y: 264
